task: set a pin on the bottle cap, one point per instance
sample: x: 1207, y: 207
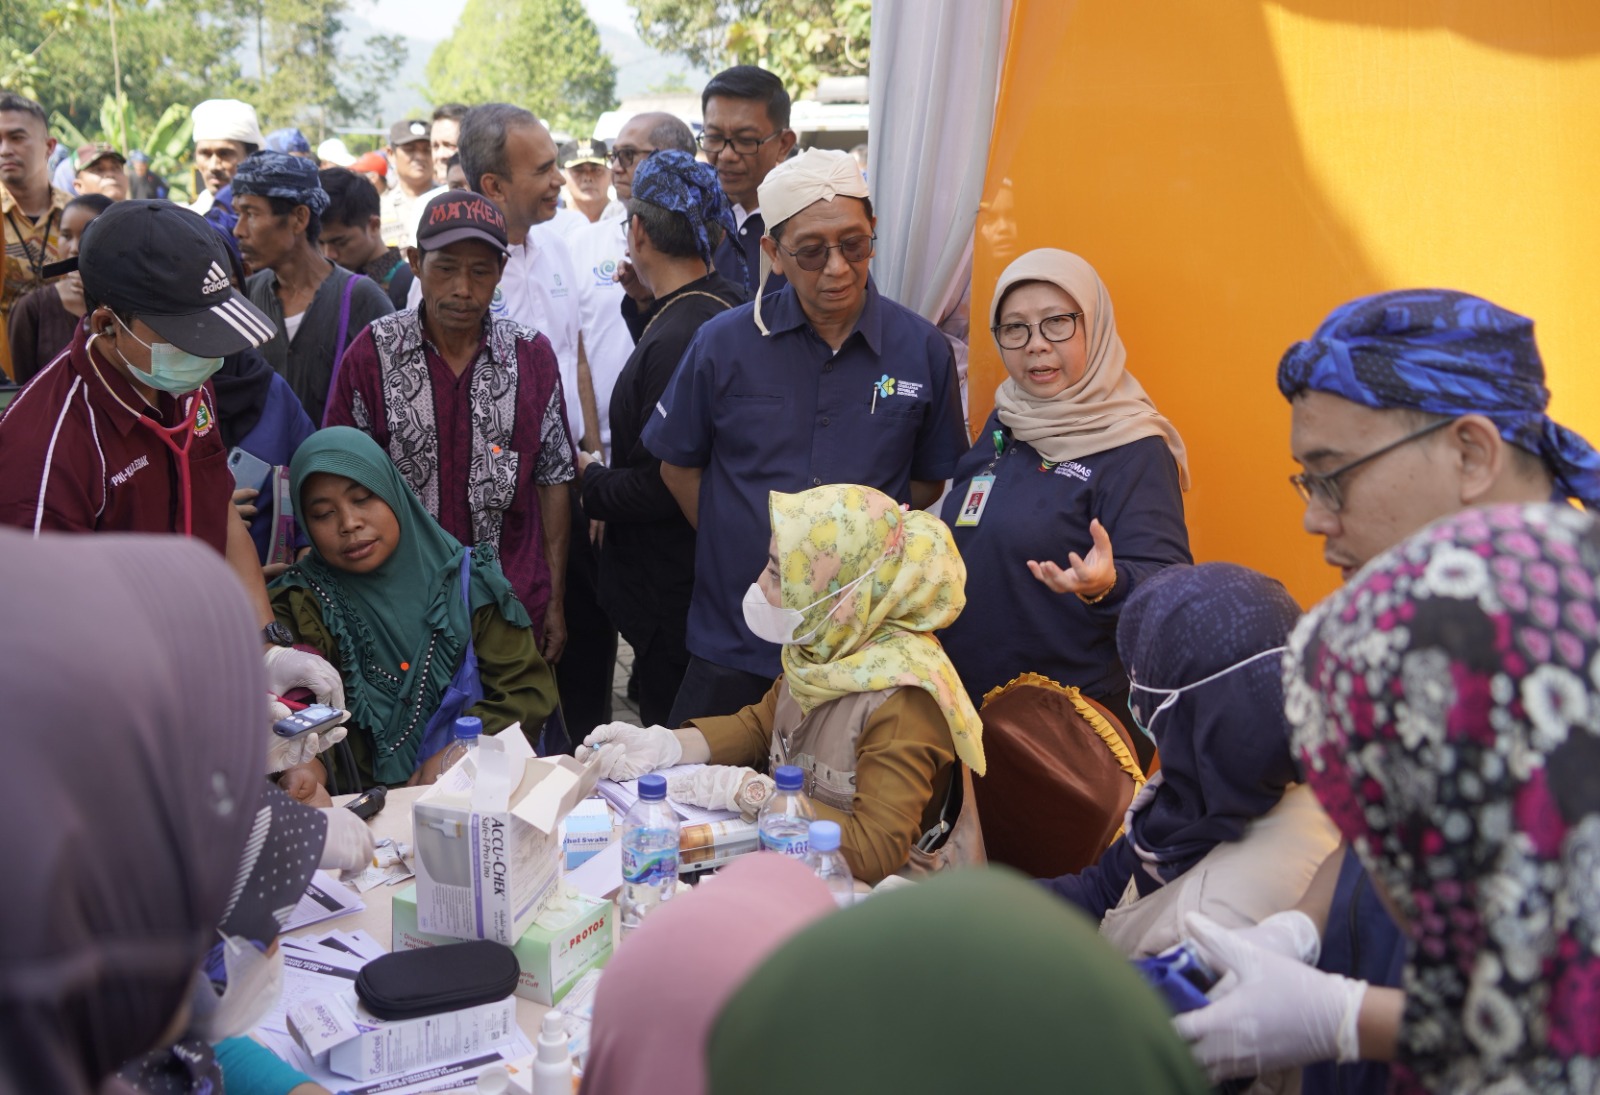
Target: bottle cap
x: 652, y: 787
x: 553, y: 1037
x: 788, y: 777
x: 824, y: 836
x: 468, y: 726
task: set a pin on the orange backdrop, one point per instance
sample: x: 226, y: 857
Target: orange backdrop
x: 1236, y: 168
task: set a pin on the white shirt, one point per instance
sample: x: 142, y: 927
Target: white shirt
x: 741, y: 214
x: 568, y: 223
x: 596, y: 251
x: 538, y: 290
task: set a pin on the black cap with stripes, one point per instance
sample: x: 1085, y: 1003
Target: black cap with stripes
x: 166, y: 265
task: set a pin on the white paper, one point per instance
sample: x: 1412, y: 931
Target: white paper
x: 458, y: 1075
x: 325, y: 898
x: 599, y: 876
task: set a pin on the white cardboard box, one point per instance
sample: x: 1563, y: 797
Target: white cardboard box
x: 343, y: 1036
x: 487, y: 839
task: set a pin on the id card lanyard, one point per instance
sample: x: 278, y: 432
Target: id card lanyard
x: 981, y: 487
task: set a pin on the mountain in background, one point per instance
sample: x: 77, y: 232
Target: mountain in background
x: 639, y: 68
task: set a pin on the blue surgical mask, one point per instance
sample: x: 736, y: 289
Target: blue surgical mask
x: 1172, y: 694
x: 172, y: 370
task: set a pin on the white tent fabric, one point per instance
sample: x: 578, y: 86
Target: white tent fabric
x: 934, y: 77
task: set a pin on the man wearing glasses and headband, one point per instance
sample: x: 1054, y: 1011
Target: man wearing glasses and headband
x: 824, y: 381
x: 1407, y: 407
x: 1411, y: 405
x: 746, y: 135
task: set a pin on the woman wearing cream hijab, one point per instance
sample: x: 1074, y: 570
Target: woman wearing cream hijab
x: 1074, y: 459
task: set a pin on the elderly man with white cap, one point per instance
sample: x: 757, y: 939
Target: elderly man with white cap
x: 823, y: 381
x: 225, y: 132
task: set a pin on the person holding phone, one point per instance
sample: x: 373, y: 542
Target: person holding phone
x: 121, y: 433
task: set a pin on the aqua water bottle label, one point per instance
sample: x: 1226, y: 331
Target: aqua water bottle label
x: 796, y: 847
x: 649, y: 867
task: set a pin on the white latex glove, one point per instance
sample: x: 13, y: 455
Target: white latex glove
x: 624, y: 751
x: 285, y: 753
x: 288, y: 669
x: 722, y: 787
x: 1291, y: 934
x: 350, y: 844
x: 1268, y: 1012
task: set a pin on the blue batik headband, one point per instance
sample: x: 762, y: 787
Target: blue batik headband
x: 678, y: 182
x: 1439, y: 351
x: 271, y: 174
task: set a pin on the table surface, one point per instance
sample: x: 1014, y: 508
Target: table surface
x: 395, y: 822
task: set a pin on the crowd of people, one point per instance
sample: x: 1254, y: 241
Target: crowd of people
x: 442, y: 423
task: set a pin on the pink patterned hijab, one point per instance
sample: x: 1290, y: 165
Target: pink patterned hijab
x: 1446, y: 705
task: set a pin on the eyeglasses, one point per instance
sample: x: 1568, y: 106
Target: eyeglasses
x: 814, y: 256
x: 712, y: 144
x: 1014, y: 336
x: 1324, y: 486
x: 625, y: 157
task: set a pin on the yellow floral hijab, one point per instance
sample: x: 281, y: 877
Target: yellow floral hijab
x: 878, y: 636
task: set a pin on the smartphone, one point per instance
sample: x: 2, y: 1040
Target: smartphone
x: 319, y: 716
x: 248, y: 470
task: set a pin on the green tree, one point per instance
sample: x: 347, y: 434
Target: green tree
x: 800, y: 41
x: 541, y: 54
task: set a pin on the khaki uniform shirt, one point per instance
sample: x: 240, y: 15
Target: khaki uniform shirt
x: 30, y: 246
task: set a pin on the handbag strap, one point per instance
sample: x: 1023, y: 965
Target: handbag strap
x: 344, y: 333
x: 466, y: 599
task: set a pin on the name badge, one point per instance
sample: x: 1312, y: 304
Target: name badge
x: 977, y: 499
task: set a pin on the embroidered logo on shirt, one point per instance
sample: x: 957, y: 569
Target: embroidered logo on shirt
x: 604, y: 273
x: 557, y: 289
x: 203, y: 420
x: 216, y: 280
x: 497, y: 305
x: 1070, y: 468
x: 888, y: 385
x: 127, y: 473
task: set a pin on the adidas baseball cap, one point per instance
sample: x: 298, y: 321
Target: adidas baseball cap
x: 168, y: 266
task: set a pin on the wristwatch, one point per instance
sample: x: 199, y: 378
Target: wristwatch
x: 275, y: 634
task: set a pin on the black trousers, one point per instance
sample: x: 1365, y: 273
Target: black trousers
x: 709, y: 689
x: 585, y: 672
x: 659, y: 664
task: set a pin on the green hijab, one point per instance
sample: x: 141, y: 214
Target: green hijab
x: 975, y: 980
x: 408, y: 612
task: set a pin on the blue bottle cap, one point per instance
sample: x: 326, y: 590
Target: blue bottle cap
x: 468, y: 726
x: 824, y: 836
x: 788, y: 777
x: 652, y: 787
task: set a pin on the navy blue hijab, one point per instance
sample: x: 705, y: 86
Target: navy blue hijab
x: 1224, y: 745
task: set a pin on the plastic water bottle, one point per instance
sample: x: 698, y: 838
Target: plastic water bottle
x: 467, y: 729
x: 649, y: 853
x: 786, y: 818
x: 828, y: 863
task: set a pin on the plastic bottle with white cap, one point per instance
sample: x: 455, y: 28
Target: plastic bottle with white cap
x: 552, y: 1063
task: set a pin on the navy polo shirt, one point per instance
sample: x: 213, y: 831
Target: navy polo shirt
x: 786, y: 413
x: 1015, y: 624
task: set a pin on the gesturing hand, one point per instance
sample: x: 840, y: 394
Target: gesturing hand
x: 1088, y: 576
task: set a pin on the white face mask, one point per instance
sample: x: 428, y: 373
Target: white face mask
x: 1172, y: 694
x: 255, y: 981
x: 778, y: 625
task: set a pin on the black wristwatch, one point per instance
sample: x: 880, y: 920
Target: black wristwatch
x: 276, y: 634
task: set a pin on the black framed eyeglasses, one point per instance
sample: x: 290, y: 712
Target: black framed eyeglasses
x: 712, y: 144
x: 1324, y: 487
x: 625, y: 158
x: 1014, y: 336
x: 814, y: 256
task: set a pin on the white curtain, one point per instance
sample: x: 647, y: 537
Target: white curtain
x: 935, y: 73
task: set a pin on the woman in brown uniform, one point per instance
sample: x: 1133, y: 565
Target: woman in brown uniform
x: 868, y: 705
